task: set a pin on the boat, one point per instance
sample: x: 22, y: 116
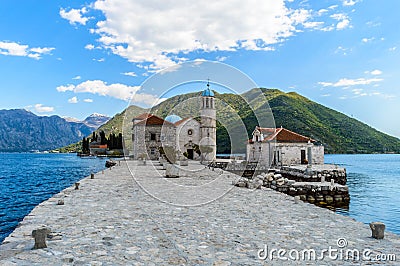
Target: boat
x: 110, y: 163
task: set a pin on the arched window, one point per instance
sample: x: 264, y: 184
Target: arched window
x: 207, y: 104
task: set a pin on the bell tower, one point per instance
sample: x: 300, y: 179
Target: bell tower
x: 208, y: 127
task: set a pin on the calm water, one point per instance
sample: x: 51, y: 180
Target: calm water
x: 374, y: 185
x: 28, y: 179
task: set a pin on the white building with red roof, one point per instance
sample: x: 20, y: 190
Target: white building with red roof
x: 280, y: 146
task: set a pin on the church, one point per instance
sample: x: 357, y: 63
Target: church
x: 189, y: 136
x: 280, y: 146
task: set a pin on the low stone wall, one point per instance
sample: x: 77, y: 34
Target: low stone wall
x: 315, y: 175
x: 319, y: 193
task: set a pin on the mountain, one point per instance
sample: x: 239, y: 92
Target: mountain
x: 336, y: 131
x: 117, y: 124
x: 95, y: 120
x: 21, y: 130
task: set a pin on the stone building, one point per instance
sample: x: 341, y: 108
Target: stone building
x: 188, y: 135
x: 280, y: 146
x: 96, y: 148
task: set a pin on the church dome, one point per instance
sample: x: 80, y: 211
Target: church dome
x: 208, y: 93
x: 173, y: 118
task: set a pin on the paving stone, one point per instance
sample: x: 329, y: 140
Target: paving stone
x: 146, y: 219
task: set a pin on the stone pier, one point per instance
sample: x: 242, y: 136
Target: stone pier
x: 135, y: 216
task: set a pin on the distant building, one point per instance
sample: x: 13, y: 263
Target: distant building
x: 280, y: 146
x: 96, y: 148
x: 188, y: 135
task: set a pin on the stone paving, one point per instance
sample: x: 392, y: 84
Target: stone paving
x: 197, y: 219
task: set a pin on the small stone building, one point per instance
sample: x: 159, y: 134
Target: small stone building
x: 96, y: 148
x: 148, y: 132
x: 188, y: 135
x: 280, y: 146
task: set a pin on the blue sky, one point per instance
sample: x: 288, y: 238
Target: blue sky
x: 74, y: 58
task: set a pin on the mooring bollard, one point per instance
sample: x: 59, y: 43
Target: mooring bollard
x: 297, y: 199
x: 378, y: 230
x: 92, y: 176
x: 40, y: 237
x: 60, y: 202
x: 77, y: 185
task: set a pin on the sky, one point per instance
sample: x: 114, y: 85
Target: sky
x: 75, y: 58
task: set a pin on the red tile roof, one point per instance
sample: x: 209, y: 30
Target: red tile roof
x: 151, y: 120
x: 142, y: 116
x: 282, y: 135
x: 177, y: 123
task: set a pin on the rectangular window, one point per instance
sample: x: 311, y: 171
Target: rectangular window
x: 152, y: 136
x: 152, y: 151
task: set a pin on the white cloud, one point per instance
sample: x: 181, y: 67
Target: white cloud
x: 376, y: 72
x: 77, y: 77
x: 89, y: 46
x: 74, y: 16
x: 349, y: 2
x: 38, y: 50
x: 344, y: 82
x: 365, y: 40
x: 73, y: 100
x: 88, y: 100
x: 145, y: 32
x: 16, y: 49
x: 116, y: 90
x: 147, y: 99
x: 313, y: 24
x: 342, y: 50
x: 373, y: 24
x: 358, y: 92
x: 65, y: 88
x: 343, y: 20
x: 43, y: 109
x: 132, y: 74
x: 322, y: 11
x: 343, y: 24
x: 221, y: 58
x: 392, y: 48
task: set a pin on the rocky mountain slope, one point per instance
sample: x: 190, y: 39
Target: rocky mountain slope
x: 21, y: 131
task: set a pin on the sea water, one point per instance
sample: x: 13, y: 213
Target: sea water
x: 27, y: 179
x: 374, y: 186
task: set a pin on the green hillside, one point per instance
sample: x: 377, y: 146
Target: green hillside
x: 336, y: 131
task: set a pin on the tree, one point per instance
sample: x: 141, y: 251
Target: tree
x: 103, y: 139
x: 94, y: 136
x: 85, y: 146
x: 119, y: 142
